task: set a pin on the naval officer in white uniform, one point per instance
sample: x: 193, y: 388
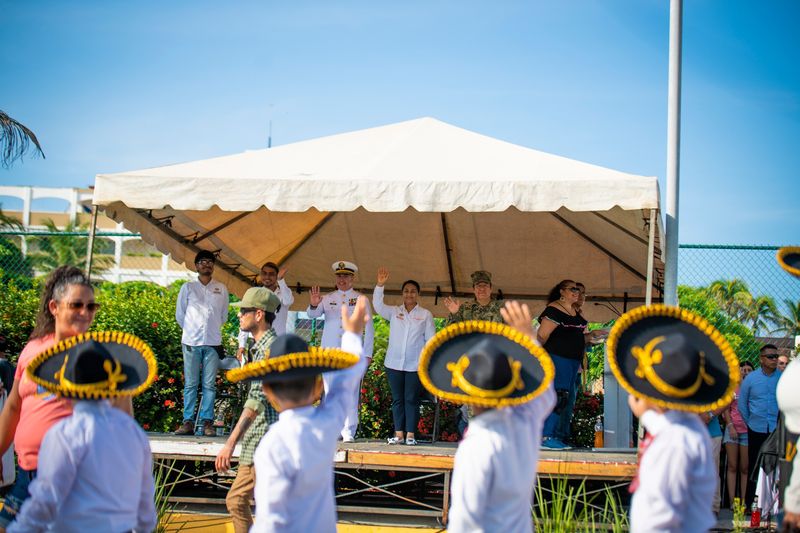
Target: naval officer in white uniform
x: 330, y: 306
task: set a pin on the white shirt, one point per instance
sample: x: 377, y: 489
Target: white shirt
x: 408, y: 332
x: 677, y: 476
x: 95, y: 474
x: 495, y: 468
x: 284, y: 294
x: 201, y: 311
x: 331, y: 306
x: 294, y: 460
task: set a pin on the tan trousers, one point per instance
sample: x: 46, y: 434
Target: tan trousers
x: 238, y: 499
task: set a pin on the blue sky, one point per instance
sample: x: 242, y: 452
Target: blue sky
x: 112, y: 86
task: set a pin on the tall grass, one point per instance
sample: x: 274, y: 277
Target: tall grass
x: 567, y: 508
x: 164, y: 482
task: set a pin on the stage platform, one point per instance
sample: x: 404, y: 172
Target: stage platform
x: 373, y: 476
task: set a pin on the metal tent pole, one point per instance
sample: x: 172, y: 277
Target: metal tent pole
x: 90, y: 244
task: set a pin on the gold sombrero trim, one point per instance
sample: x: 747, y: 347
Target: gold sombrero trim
x: 333, y: 358
x: 492, y: 328
x: 692, y: 319
x: 94, y: 391
x: 782, y: 253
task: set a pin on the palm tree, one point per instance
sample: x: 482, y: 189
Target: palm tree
x: 730, y: 294
x: 789, y: 323
x: 760, y: 313
x: 15, y: 139
x: 61, y: 248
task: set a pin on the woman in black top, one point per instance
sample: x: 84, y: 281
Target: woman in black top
x: 561, y: 332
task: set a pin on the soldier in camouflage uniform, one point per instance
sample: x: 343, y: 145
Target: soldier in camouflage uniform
x: 484, y: 307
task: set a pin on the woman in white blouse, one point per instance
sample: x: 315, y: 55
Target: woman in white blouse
x: 410, y: 327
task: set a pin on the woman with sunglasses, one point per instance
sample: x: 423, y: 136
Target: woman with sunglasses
x: 561, y: 333
x: 66, y: 309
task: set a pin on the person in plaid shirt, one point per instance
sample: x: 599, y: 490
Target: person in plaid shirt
x: 256, y: 314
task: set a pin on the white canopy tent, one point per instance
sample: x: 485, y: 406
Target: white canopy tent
x: 428, y: 200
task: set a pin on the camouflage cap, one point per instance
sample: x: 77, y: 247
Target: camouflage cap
x: 481, y: 276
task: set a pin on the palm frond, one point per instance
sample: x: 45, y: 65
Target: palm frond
x: 15, y: 140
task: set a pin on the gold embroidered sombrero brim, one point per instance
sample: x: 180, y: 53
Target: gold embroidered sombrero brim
x: 789, y: 259
x: 701, y: 376
x: 135, y: 372
x: 441, y: 372
x: 294, y: 365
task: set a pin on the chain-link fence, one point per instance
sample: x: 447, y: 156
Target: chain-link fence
x: 744, y: 292
x: 117, y: 257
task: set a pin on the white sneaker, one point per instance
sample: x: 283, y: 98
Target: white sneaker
x: 348, y: 438
x: 395, y: 440
x: 411, y: 441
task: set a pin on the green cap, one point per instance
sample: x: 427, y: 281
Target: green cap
x: 481, y: 276
x: 259, y: 298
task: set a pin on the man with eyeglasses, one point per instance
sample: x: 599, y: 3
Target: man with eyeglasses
x: 758, y: 405
x: 271, y: 277
x: 201, y: 311
x: 257, y: 313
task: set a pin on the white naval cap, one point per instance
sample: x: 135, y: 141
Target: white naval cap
x: 344, y: 267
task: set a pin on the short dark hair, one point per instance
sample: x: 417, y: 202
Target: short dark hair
x: 294, y: 390
x: 204, y: 254
x: 271, y: 265
x: 412, y: 282
x: 747, y: 363
x: 767, y: 347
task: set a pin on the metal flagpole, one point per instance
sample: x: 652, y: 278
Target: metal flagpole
x: 673, y: 153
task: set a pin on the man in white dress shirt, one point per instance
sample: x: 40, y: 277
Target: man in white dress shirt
x: 271, y: 277
x: 330, y: 306
x: 201, y: 311
x: 675, y: 365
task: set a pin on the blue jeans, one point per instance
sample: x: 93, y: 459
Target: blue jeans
x: 558, y: 423
x: 195, y: 360
x: 16, y: 496
x: 405, y: 399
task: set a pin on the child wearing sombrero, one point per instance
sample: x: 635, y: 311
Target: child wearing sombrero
x: 506, y: 378
x: 95, y: 466
x: 294, y: 460
x: 675, y: 365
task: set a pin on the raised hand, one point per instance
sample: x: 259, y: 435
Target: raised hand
x: 383, y: 275
x: 282, y: 272
x: 354, y: 322
x: 518, y: 316
x: 315, y: 298
x: 452, y: 304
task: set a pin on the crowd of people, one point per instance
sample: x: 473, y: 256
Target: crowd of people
x: 84, y: 464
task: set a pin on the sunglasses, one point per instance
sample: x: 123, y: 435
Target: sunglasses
x: 205, y: 262
x: 77, y: 306
x: 770, y: 356
x: 244, y: 310
x: 573, y: 289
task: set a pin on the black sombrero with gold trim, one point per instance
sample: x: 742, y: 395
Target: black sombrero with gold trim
x: 673, y: 358
x: 485, y: 364
x: 290, y: 357
x: 789, y: 259
x: 95, y: 365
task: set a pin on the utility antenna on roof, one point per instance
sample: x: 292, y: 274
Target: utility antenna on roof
x: 269, y: 139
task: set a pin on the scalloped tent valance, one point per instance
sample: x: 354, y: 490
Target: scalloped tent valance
x: 426, y: 199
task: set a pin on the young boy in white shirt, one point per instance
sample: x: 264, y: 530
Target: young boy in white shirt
x: 507, y: 378
x: 675, y: 365
x: 95, y: 467
x: 294, y: 461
